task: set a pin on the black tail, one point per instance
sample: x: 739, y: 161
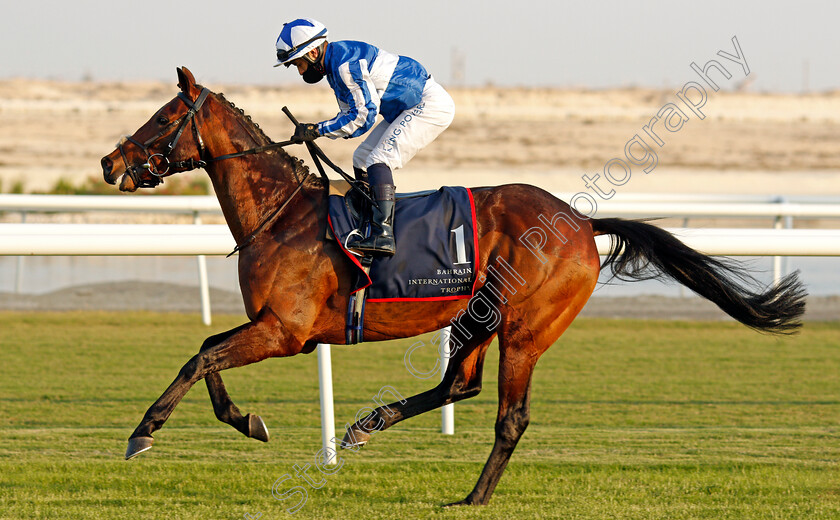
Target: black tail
x: 641, y: 251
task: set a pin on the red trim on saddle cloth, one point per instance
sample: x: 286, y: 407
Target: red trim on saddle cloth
x: 351, y: 256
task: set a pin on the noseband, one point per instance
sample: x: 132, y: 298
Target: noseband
x: 155, y: 161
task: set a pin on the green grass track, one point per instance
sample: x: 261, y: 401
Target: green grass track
x: 630, y: 420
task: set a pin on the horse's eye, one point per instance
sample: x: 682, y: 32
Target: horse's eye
x: 162, y: 120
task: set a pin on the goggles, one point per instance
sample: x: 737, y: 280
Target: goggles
x: 283, y: 55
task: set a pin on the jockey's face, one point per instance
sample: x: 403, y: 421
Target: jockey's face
x: 303, y: 64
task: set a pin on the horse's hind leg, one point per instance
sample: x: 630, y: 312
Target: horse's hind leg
x: 462, y: 380
x: 521, y: 343
x: 223, y: 406
x: 516, y: 367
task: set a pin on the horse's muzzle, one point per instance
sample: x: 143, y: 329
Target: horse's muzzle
x: 112, y: 174
x: 107, y: 169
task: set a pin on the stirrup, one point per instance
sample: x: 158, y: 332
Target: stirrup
x: 385, y: 250
x: 346, y: 240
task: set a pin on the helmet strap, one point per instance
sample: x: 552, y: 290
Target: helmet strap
x: 319, y: 61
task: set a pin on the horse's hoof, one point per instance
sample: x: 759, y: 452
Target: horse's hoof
x: 464, y: 502
x: 470, y: 500
x: 455, y: 504
x: 256, y: 428
x: 355, y: 441
x: 137, y: 445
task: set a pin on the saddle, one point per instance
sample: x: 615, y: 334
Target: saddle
x: 437, y: 248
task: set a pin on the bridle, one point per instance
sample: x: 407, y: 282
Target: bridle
x: 151, y: 163
x: 154, y: 165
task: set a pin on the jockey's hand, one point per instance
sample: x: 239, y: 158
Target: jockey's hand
x: 306, y: 132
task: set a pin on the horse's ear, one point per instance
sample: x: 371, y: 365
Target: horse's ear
x: 186, y: 81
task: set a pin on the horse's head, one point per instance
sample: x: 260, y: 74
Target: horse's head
x: 168, y: 143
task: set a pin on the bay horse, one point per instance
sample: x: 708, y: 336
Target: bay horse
x: 296, y: 284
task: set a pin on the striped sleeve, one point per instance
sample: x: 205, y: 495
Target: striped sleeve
x: 358, y: 100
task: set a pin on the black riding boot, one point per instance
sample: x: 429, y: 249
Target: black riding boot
x: 381, y: 240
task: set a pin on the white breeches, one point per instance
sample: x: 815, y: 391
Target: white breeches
x: 394, y: 144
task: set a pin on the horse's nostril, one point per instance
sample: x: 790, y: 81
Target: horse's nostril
x: 107, y: 168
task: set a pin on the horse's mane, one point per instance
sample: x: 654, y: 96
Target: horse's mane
x: 245, y: 116
x: 298, y: 167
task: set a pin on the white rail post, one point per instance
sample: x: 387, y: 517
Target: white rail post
x: 786, y: 259
x: 203, y: 282
x: 327, y: 406
x: 777, y: 260
x: 19, y: 263
x: 447, y: 421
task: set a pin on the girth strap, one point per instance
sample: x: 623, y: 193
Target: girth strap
x: 355, y: 324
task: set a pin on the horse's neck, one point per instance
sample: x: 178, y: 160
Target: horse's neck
x: 245, y: 196
x: 248, y: 188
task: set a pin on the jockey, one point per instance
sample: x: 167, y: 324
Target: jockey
x: 367, y: 82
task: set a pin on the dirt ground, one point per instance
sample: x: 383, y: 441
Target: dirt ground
x: 745, y: 143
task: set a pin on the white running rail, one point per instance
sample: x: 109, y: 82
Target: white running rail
x: 137, y: 239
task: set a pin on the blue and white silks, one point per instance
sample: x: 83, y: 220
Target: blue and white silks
x: 368, y: 81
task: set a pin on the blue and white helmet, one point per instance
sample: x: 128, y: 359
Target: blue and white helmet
x: 297, y: 38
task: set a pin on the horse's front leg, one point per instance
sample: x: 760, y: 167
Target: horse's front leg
x: 263, y: 338
x: 223, y: 406
x: 226, y: 411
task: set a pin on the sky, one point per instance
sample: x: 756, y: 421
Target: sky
x: 539, y: 43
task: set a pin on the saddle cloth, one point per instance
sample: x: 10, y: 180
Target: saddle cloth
x: 437, y: 247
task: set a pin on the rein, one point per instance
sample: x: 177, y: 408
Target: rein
x: 270, y: 218
x: 151, y: 162
x: 192, y: 164
x: 188, y: 164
